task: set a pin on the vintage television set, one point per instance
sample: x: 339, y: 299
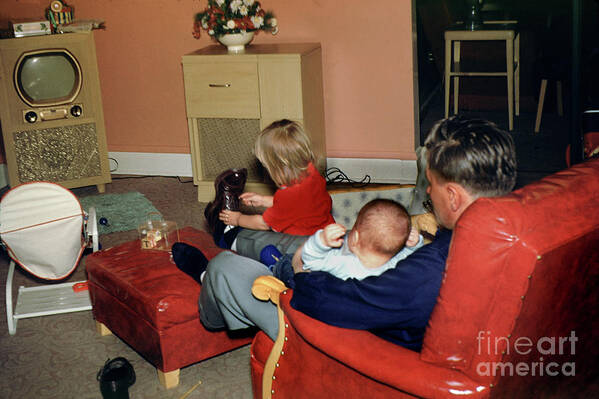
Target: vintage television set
x: 51, y: 110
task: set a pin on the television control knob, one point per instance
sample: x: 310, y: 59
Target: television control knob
x: 31, y: 117
x: 76, y: 111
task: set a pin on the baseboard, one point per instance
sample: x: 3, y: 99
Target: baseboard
x: 390, y: 171
x: 150, y: 164
x: 3, y: 175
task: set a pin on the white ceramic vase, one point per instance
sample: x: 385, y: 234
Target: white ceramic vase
x: 236, y: 42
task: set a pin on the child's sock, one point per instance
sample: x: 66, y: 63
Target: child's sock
x: 270, y: 255
x: 190, y: 260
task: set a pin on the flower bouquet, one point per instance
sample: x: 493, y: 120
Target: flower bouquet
x: 223, y: 17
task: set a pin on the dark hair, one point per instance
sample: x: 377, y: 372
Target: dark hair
x: 384, y: 226
x: 474, y: 153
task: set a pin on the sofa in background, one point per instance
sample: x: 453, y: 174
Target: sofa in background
x: 514, y: 319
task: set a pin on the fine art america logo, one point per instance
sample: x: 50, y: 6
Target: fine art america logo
x: 544, y: 346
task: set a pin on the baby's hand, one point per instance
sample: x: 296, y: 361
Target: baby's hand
x: 230, y: 218
x: 332, y: 235
x: 413, y: 238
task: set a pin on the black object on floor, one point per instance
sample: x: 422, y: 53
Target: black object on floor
x: 115, y: 378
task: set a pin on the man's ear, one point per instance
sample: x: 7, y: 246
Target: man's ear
x: 459, y: 198
x: 455, y: 196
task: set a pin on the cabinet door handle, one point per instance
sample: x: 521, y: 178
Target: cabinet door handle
x: 219, y: 85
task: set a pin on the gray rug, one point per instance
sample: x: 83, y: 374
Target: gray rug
x: 122, y: 211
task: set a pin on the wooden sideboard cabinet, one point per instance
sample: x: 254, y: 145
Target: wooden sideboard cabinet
x: 231, y: 97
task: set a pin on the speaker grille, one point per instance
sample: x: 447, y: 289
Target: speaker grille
x: 57, y: 154
x: 229, y: 143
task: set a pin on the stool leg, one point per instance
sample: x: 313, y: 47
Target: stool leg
x: 456, y: 79
x: 447, y: 74
x: 170, y: 379
x: 560, y: 102
x: 101, y: 188
x: 540, y: 106
x: 102, y: 329
x: 517, y: 74
x: 509, y: 54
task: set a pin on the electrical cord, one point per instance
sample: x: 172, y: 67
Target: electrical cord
x: 336, y: 175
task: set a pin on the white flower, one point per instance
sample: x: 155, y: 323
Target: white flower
x: 272, y: 22
x: 257, y: 21
x: 231, y: 24
x: 243, y: 10
x: 235, y: 4
x: 248, y: 2
x: 220, y: 2
x: 211, y: 32
x: 204, y: 25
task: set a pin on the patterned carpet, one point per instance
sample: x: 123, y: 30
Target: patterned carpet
x: 59, y: 356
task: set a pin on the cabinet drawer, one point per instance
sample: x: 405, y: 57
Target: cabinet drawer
x: 222, y: 90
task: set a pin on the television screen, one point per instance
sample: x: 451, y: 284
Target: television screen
x: 49, y: 77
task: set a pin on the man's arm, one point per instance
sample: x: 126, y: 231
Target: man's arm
x: 400, y: 298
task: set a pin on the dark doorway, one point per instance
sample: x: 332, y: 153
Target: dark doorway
x: 550, y: 37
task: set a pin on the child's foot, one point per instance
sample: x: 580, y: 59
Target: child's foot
x: 190, y: 260
x: 270, y: 255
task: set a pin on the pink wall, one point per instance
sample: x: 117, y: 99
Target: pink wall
x: 367, y: 62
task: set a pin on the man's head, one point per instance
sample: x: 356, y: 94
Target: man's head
x: 382, y: 227
x: 467, y: 159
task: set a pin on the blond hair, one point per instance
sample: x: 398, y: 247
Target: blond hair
x: 285, y: 151
x: 384, y: 226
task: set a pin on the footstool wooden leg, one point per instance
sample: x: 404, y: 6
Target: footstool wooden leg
x: 170, y: 379
x: 102, y: 329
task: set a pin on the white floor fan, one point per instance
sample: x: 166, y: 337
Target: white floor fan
x: 45, y: 230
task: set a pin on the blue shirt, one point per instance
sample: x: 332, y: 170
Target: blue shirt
x: 395, y: 306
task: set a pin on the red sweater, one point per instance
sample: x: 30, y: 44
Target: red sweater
x: 302, y: 208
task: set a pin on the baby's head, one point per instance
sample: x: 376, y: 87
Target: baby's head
x: 285, y: 151
x: 382, y: 228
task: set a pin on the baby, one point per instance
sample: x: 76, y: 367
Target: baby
x: 382, y: 236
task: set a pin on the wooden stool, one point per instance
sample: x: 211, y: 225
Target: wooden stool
x: 550, y: 69
x: 491, y: 30
x: 143, y: 298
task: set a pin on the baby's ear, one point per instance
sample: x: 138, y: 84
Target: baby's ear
x: 354, y: 237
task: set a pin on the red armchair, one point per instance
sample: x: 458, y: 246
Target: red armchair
x: 514, y: 318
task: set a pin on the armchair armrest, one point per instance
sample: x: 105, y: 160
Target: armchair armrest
x: 377, y: 359
x: 268, y: 288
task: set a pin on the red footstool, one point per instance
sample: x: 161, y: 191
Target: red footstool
x: 146, y: 301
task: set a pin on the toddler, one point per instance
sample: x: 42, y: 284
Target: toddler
x: 301, y: 204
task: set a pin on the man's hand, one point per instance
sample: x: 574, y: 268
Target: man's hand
x: 413, y: 238
x: 332, y: 235
x: 230, y: 218
x: 253, y: 199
